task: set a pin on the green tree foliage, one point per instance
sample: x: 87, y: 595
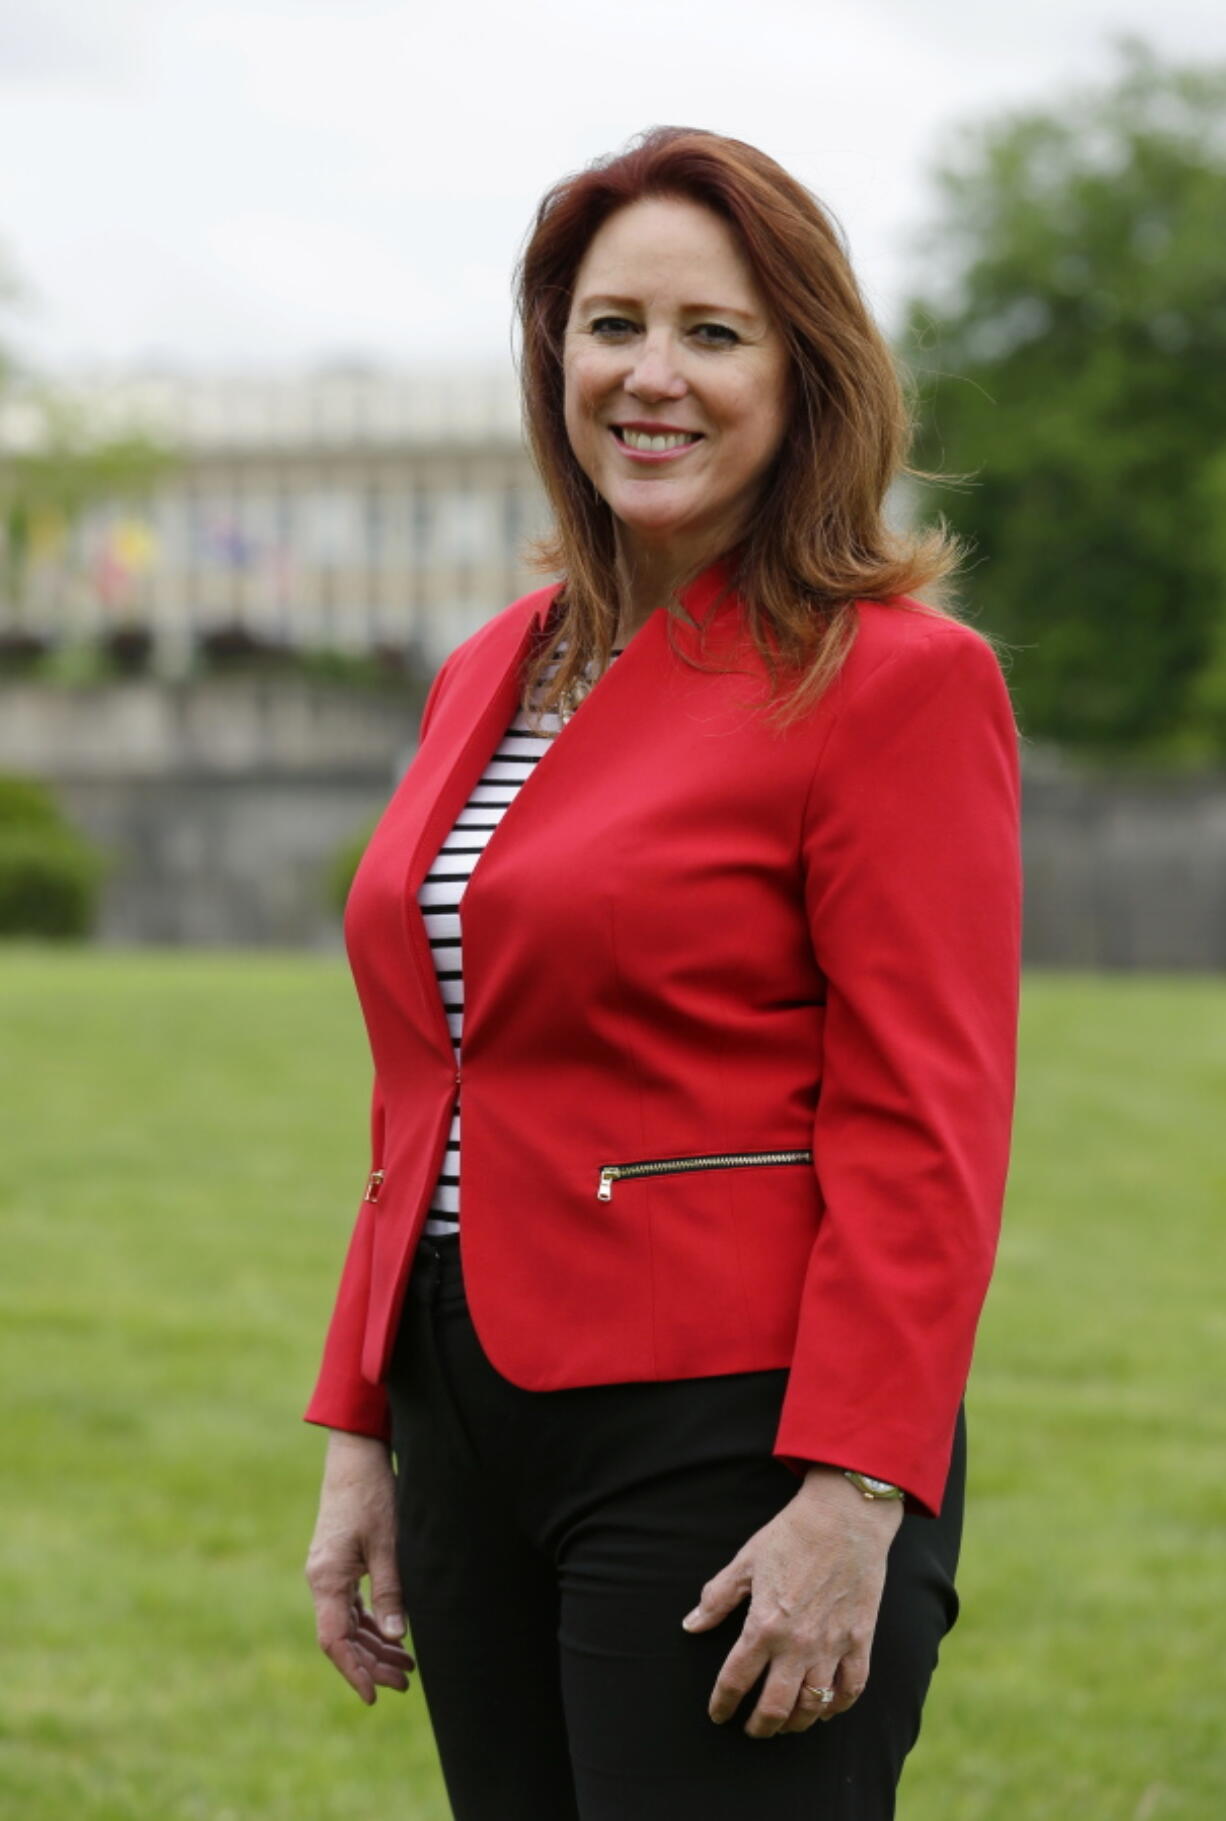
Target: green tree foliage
x: 1074, y: 373
x: 54, y: 461
x: 62, y: 466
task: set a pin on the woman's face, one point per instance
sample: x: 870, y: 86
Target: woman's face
x: 670, y: 338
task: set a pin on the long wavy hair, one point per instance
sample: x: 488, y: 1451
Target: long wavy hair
x: 819, y: 540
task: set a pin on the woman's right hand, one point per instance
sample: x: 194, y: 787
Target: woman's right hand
x: 355, y: 1535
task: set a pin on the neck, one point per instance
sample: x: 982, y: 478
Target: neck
x: 648, y: 577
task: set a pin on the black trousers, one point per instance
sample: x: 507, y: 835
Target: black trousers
x: 550, y: 1544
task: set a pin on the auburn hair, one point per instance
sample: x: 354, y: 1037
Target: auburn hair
x: 819, y: 540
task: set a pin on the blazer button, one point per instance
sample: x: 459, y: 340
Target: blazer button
x: 457, y: 1077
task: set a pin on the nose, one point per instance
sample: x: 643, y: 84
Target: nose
x: 655, y: 374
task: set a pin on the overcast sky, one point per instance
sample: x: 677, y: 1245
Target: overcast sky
x: 230, y: 184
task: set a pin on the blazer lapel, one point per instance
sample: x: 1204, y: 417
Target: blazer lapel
x: 469, y: 723
x: 446, y: 769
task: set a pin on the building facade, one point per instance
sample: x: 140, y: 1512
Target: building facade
x: 346, y: 509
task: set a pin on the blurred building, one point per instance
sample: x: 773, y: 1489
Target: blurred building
x: 346, y: 508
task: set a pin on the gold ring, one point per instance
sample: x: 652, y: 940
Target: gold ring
x: 824, y: 1695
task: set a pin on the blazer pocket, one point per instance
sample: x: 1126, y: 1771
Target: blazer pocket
x: 668, y: 1166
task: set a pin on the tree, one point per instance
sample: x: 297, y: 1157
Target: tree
x: 53, y: 465
x: 61, y: 467
x: 1074, y: 375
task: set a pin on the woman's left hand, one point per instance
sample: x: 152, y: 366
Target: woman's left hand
x: 814, y: 1577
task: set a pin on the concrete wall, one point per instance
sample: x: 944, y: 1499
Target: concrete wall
x: 1124, y: 871
x: 217, y: 728
x: 224, y: 801
x: 221, y: 802
x: 211, y: 861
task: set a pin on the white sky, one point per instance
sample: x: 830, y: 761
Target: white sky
x: 265, y: 183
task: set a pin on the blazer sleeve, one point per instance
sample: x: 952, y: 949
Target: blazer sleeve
x: 343, y: 1398
x: 913, y: 893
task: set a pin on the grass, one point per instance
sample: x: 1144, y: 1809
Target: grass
x: 181, y: 1145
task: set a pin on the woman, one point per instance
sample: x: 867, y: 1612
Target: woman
x: 734, y: 1022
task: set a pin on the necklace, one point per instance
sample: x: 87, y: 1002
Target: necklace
x: 577, y: 692
x: 571, y: 697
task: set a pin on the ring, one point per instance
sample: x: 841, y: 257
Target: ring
x: 824, y: 1695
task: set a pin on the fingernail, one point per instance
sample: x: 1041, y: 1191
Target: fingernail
x: 393, y: 1626
x: 691, y: 1618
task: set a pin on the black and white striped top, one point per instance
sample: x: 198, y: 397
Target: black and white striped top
x: 439, y: 894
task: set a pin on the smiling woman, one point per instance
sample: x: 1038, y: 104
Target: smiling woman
x: 675, y: 408
x: 754, y: 310
x: 758, y: 971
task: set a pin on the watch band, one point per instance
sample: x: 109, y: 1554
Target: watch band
x: 871, y: 1488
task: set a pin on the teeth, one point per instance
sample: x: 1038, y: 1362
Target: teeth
x: 638, y: 439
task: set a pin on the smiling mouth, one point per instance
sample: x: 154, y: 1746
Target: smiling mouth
x: 648, y: 444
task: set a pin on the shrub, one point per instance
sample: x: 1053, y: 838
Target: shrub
x: 50, y: 875
x: 128, y: 648
x: 26, y: 803
x: 235, y: 647
x: 21, y: 652
x: 343, y: 865
x: 49, y: 880
x: 379, y: 668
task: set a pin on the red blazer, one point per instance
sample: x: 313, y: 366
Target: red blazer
x: 780, y: 971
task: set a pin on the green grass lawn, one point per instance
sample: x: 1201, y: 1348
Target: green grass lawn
x: 182, y: 1141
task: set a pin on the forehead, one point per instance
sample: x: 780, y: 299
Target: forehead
x: 668, y: 245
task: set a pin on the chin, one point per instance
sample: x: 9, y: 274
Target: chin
x: 655, y: 521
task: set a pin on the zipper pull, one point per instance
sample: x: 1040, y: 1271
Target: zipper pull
x: 607, y: 1178
x: 374, y: 1182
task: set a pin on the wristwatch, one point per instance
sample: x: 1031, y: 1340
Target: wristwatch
x: 871, y: 1488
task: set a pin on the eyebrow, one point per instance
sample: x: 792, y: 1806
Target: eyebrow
x: 693, y: 309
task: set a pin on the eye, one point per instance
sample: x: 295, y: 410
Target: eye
x: 709, y: 334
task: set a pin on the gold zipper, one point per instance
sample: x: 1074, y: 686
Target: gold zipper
x: 664, y: 1166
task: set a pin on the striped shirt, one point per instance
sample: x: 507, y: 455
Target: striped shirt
x: 439, y: 894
